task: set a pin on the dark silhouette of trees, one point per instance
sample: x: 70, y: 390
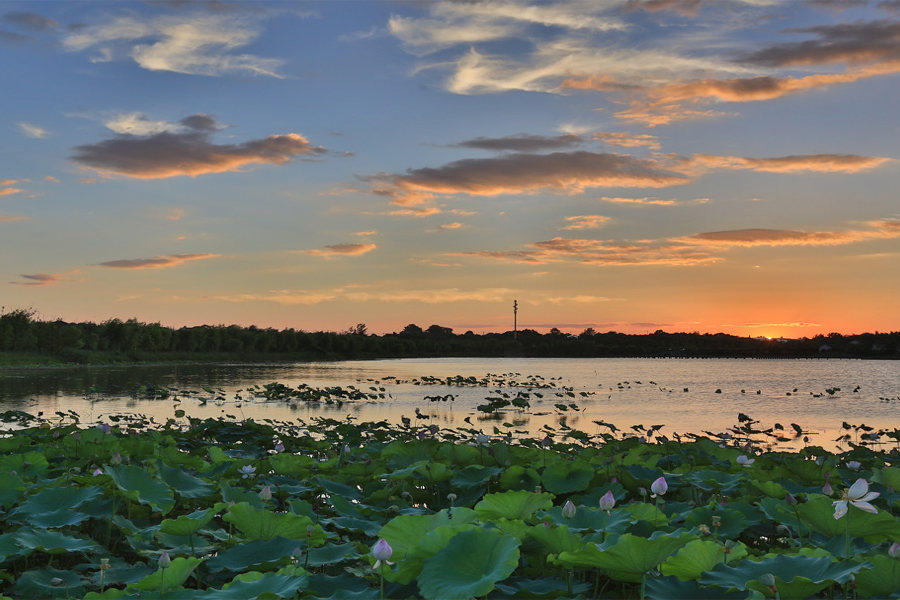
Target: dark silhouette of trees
x: 131, y: 340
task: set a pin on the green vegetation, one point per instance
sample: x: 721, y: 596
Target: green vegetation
x: 216, y: 509
x: 25, y: 340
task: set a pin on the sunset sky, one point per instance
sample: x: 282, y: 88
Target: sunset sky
x: 627, y: 165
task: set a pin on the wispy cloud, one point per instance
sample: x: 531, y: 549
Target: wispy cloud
x: 194, y: 45
x: 342, y: 250
x: 39, y: 279
x: 167, y: 154
x: 446, y: 227
x: 522, y: 143
x: 8, y: 191
x: 29, y: 21
x: 33, y: 131
x: 627, y: 140
x: 821, y: 163
x: 7, y: 219
x: 656, y: 201
x: 566, y: 172
x: 159, y: 262
x: 782, y: 237
x: 586, y: 222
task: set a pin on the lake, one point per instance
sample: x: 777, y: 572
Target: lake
x: 685, y: 395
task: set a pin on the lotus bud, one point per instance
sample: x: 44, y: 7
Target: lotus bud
x: 568, y: 509
x: 547, y: 441
x: 768, y: 580
x: 97, y: 471
x: 608, y: 501
x: 56, y: 581
x: 382, y: 550
x: 279, y: 447
x: 164, y: 561
x: 451, y: 497
x: 116, y: 459
x: 790, y: 500
x: 659, y: 487
x: 482, y: 439
x: 827, y: 489
x: 265, y: 494
x: 894, y: 551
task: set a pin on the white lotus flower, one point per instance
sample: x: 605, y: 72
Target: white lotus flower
x: 859, y: 496
x: 744, y: 461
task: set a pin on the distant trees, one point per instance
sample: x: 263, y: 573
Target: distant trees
x: 131, y: 339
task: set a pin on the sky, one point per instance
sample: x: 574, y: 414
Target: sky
x: 626, y: 165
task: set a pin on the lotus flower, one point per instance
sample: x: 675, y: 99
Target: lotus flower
x: 859, y: 496
x: 608, y: 501
x: 164, y: 560
x: 247, y: 471
x: 894, y: 550
x: 382, y: 552
x: 854, y: 464
x: 568, y: 509
x: 659, y: 487
x: 265, y: 494
x: 744, y: 461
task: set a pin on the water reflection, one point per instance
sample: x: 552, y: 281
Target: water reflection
x: 687, y: 396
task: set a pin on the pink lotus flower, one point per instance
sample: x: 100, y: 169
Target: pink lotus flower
x: 568, y: 509
x: 859, y: 496
x: 608, y: 501
x: 382, y: 552
x: 659, y: 487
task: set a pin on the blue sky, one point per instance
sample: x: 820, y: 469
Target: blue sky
x: 632, y: 165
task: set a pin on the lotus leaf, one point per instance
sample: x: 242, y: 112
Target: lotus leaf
x: 39, y: 583
x: 627, y: 558
x: 795, y: 576
x: 546, y: 588
x: 188, y: 524
x: 184, y: 483
x: 474, y: 475
x: 512, y: 505
x: 12, y: 489
x: 517, y: 477
x: 172, y: 576
x: 470, y: 565
x: 883, y: 579
x: 410, y: 565
x: 672, y: 588
x: 331, y: 554
x: 591, y: 519
x: 28, y: 464
x: 256, y: 585
x: 555, y: 540
x: 732, y: 522
x: 53, y: 542
x: 818, y: 515
x: 136, y: 484
x: 563, y: 477
x: 698, y: 556
x: 262, y: 524
x: 251, y: 554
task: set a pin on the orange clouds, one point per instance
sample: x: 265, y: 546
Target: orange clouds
x: 822, y: 163
x: 601, y: 252
x: 39, y: 279
x: 159, y: 262
x: 690, y: 250
x: 8, y: 191
x: 343, y: 250
x: 780, y: 237
x: 586, y: 222
x: 167, y: 154
x: 567, y: 172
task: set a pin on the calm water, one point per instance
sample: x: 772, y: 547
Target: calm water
x: 682, y: 394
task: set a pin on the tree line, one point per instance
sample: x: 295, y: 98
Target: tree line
x: 132, y: 340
